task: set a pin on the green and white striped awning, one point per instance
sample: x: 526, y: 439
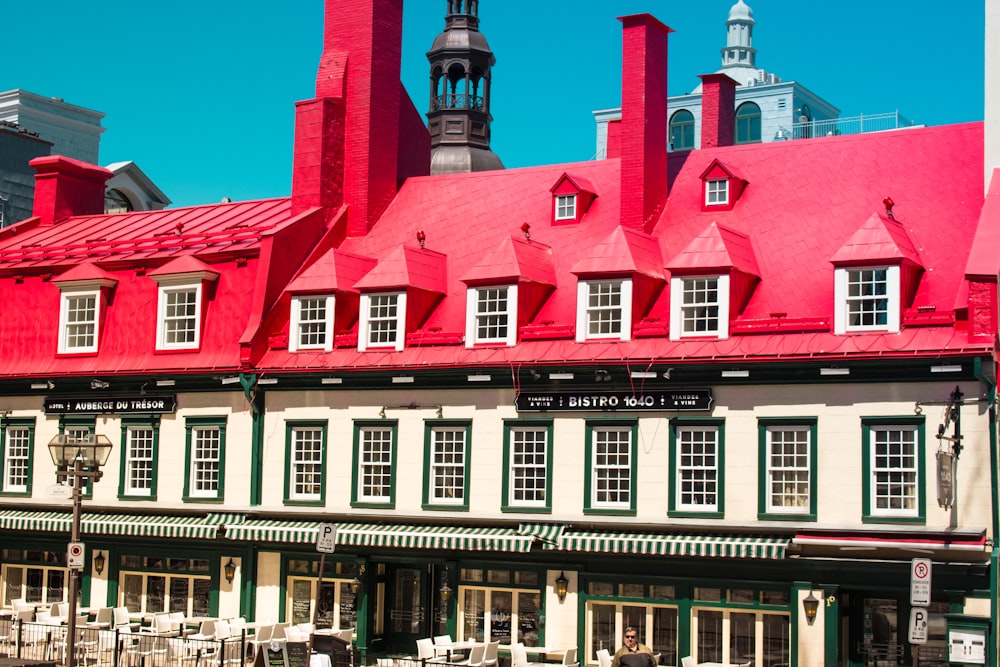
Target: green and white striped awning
x: 133, y: 525
x: 673, y: 544
x: 546, y: 532
x: 385, y: 535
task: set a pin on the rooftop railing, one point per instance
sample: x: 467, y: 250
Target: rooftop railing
x: 862, y: 124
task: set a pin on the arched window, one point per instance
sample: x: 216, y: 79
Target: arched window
x: 115, y: 201
x: 748, y: 123
x: 682, y: 131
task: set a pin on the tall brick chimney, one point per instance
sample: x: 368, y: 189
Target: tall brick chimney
x: 65, y: 187
x: 347, y: 139
x: 718, y: 110
x: 644, y: 120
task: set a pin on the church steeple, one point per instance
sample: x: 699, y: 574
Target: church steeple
x: 459, y: 116
x: 739, y: 51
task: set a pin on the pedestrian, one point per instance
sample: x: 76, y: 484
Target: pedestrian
x: 633, y: 654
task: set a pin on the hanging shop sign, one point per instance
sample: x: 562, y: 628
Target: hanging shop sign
x: 118, y: 405
x: 653, y: 400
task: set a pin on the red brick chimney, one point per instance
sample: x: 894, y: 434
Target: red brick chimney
x: 347, y: 139
x: 65, y: 187
x: 644, y: 120
x: 718, y: 110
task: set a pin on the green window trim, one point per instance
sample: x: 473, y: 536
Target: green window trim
x: 763, y: 427
x: 430, y: 426
x: 290, y: 428
x: 128, y: 423
x: 69, y: 422
x: 869, y: 424
x: 17, y: 422
x: 507, y: 505
x: 720, y: 466
x: 589, y: 506
x: 207, y: 422
x: 359, y: 427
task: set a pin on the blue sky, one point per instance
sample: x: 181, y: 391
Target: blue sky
x: 201, y: 94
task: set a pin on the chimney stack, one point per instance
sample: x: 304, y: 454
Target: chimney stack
x: 347, y: 138
x: 65, y: 187
x: 644, y: 121
x: 718, y: 110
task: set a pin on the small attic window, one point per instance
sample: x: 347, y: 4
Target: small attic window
x: 716, y: 192
x: 571, y: 198
x: 721, y: 187
x: 566, y: 207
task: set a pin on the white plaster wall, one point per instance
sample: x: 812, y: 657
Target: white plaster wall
x: 268, y: 586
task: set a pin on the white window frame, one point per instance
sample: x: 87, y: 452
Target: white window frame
x: 566, y: 207
x: 679, y: 310
x: 206, y: 471
x: 67, y: 295
x: 17, y: 458
x: 843, y: 299
x: 801, y: 464
x: 910, y: 475
x: 324, y: 326
x: 398, y: 322
x: 610, y: 471
x: 475, y: 297
x: 717, y: 192
x: 306, y: 463
x: 588, y: 314
x: 523, y: 471
x: 136, y: 465
x: 370, y: 469
x: 165, y: 289
x: 685, y: 476
x: 449, y: 455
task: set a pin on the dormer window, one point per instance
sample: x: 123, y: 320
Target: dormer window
x: 566, y: 207
x: 722, y: 188
x: 179, y: 317
x: 78, y: 320
x: 604, y: 309
x: 699, y: 306
x: 181, y: 302
x: 571, y: 198
x: 491, y: 315
x: 716, y: 192
x: 83, y: 296
x: 311, y: 323
x: 867, y: 299
x: 383, y: 320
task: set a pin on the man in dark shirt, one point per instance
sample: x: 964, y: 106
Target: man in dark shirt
x: 633, y: 654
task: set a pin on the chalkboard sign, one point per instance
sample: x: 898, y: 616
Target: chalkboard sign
x: 296, y: 654
x: 268, y: 658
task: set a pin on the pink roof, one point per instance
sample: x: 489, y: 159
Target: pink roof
x: 802, y: 208
x: 334, y: 271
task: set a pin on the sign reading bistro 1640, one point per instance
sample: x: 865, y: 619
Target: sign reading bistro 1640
x: 654, y: 400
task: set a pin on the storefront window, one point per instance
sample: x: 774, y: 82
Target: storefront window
x: 154, y: 591
x: 730, y: 636
x: 656, y: 625
x: 504, y: 615
x: 336, y: 601
x: 45, y: 582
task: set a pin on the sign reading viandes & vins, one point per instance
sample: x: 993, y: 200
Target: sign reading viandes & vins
x: 117, y: 405
x: 669, y: 400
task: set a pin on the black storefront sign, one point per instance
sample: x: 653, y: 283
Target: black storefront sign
x: 117, y: 405
x: 651, y: 400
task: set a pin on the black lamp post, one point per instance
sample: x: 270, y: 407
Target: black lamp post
x: 82, y: 459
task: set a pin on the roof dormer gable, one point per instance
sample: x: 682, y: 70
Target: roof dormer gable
x: 721, y: 187
x: 876, y: 275
x: 515, y: 278
x: 571, y: 198
x: 417, y: 274
x: 86, y: 275
x: 627, y: 266
x: 186, y: 268
x: 336, y: 271
x: 718, y: 252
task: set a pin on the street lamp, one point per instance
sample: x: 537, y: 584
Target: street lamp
x: 82, y: 458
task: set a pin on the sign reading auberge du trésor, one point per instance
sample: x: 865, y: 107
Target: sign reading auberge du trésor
x: 115, y: 405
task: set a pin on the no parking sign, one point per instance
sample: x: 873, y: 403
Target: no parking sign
x: 74, y: 556
x: 920, y: 582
